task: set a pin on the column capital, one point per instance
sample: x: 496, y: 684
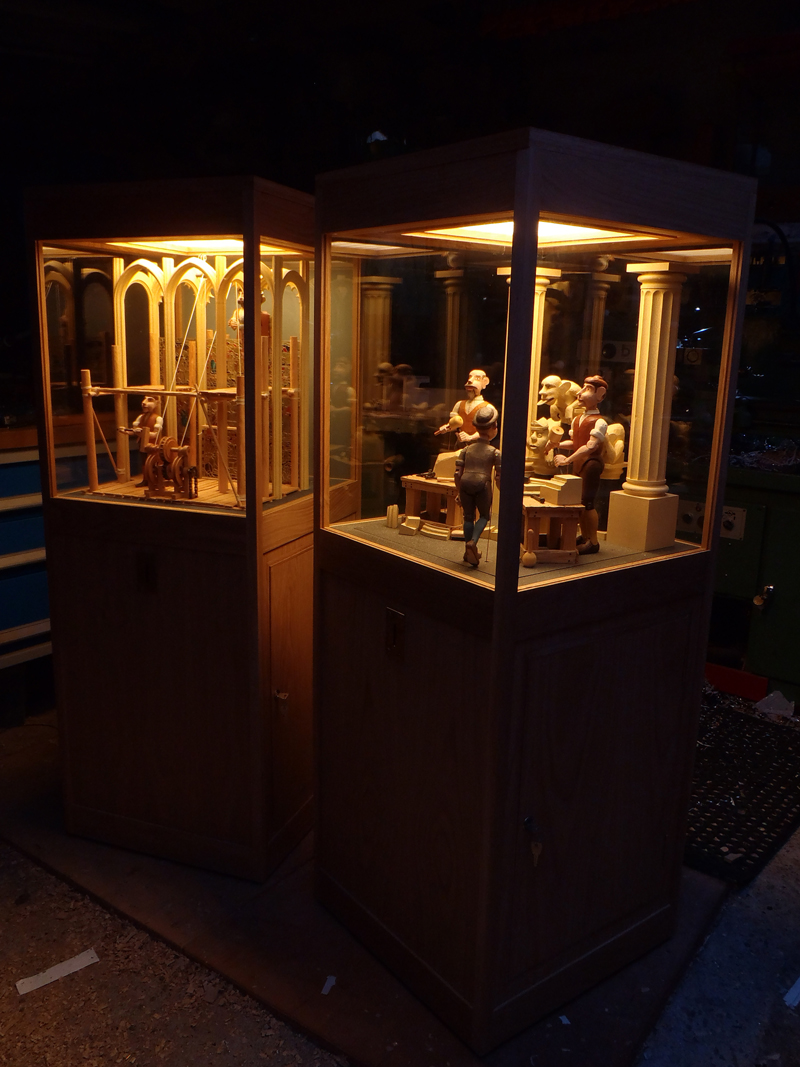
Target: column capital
x: 666, y: 271
x: 380, y: 282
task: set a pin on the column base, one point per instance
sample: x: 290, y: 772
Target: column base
x: 642, y: 523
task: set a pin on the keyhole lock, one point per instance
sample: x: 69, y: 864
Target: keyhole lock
x: 762, y: 599
x: 535, y: 831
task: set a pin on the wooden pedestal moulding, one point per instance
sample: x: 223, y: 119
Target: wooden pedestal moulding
x: 505, y: 750
x: 180, y: 543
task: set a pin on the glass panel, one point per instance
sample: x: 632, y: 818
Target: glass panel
x: 617, y: 471
x: 145, y: 347
x: 418, y: 328
x: 287, y: 332
x: 626, y: 358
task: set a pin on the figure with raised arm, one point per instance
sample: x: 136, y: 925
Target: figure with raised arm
x: 476, y: 382
x: 473, y: 477
x: 588, y: 440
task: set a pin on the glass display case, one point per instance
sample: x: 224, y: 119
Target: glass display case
x: 526, y: 347
x: 418, y: 346
x: 175, y: 333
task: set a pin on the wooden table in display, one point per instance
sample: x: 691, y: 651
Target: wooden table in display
x: 440, y: 495
x: 562, y: 531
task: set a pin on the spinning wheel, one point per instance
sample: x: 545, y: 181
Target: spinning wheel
x: 168, y: 462
x: 151, y: 472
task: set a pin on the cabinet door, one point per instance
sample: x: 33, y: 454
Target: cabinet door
x: 291, y: 589
x: 606, y: 758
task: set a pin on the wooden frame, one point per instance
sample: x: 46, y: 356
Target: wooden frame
x: 203, y: 753
x: 503, y: 769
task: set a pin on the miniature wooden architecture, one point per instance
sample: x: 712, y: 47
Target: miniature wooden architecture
x: 501, y: 790
x: 176, y: 316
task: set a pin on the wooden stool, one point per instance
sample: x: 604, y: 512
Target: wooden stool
x: 562, y: 532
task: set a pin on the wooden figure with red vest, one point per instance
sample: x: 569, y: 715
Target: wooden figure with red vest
x: 476, y: 382
x: 588, y: 437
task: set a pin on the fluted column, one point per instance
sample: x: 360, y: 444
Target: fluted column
x: 594, y: 313
x: 545, y: 276
x: 376, y: 324
x: 656, y: 342
x: 643, y: 514
x: 453, y: 280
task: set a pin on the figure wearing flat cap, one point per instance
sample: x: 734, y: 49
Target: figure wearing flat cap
x: 473, y: 478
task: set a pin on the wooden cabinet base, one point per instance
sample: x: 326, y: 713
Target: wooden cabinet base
x: 173, y: 744
x: 502, y: 801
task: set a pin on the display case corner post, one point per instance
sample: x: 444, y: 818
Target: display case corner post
x: 321, y: 376
x: 726, y: 389
x: 516, y: 391
x: 38, y: 312
x: 249, y: 385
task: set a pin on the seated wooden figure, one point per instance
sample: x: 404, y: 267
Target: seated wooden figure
x: 147, y: 427
x: 473, y: 478
x: 588, y: 441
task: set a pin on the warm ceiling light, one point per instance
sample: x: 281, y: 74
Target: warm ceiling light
x: 200, y: 246
x: 550, y: 233
x: 364, y: 248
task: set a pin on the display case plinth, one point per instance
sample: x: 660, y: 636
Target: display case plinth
x: 642, y: 523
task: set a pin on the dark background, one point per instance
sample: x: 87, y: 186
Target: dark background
x: 98, y: 91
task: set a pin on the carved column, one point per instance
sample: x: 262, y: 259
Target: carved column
x: 594, y: 313
x: 453, y: 280
x: 376, y: 326
x: 643, y: 514
x: 545, y: 276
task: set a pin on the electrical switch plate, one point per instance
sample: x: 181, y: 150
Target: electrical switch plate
x: 691, y: 515
x: 733, y: 523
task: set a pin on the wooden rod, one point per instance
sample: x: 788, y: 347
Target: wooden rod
x: 123, y: 463
x: 222, y: 445
x: 294, y: 429
x: 191, y: 347
x: 265, y: 401
x: 88, y: 426
x: 294, y: 363
x: 240, y: 448
x: 154, y: 339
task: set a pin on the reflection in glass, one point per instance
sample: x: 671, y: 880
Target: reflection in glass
x: 628, y: 333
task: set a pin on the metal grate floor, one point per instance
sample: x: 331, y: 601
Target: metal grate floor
x: 745, y: 792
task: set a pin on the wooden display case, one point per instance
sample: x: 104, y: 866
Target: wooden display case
x: 175, y: 335
x: 505, y: 751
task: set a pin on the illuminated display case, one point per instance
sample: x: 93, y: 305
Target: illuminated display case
x: 527, y: 346
x: 175, y: 331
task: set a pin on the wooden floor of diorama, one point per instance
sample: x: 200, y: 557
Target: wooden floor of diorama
x: 275, y: 942
x: 208, y: 494
x: 450, y: 554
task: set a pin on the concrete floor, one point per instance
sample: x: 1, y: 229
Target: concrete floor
x: 728, y: 1010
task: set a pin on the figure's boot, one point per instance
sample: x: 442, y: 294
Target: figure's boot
x: 590, y: 543
x: 471, y: 553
